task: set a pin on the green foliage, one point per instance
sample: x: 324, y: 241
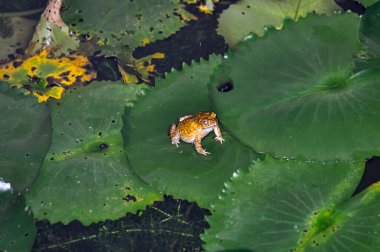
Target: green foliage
x: 17, y: 227
x: 368, y: 3
x: 304, y: 92
x: 254, y: 15
x: 295, y: 206
x: 57, y: 38
x: 122, y: 26
x: 304, y: 98
x: 85, y: 175
x: 370, y: 32
x: 181, y: 172
x: 25, y: 132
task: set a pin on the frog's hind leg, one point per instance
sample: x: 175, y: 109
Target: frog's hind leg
x: 174, y: 134
x: 198, y: 146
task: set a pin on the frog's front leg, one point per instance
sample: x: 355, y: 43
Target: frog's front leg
x: 218, y: 134
x: 174, y: 134
x: 198, y: 145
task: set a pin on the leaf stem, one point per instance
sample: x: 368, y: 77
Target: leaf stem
x: 21, y: 13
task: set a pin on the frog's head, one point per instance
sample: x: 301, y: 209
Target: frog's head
x: 207, y: 119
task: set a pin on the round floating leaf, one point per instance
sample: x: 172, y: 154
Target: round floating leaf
x: 370, y: 32
x: 254, y: 15
x: 25, y: 133
x: 181, y: 172
x: 295, y: 95
x: 124, y: 25
x: 17, y: 227
x: 85, y: 175
x: 283, y: 205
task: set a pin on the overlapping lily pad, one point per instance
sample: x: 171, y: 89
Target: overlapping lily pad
x: 17, y: 227
x: 283, y: 205
x: 85, y: 175
x: 295, y: 93
x: 248, y: 16
x: 124, y: 25
x: 181, y: 172
x: 25, y: 133
x: 370, y: 32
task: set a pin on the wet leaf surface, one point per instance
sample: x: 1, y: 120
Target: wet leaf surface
x: 17, y: 227
x: 181, y: 172
x: 252, y: 16
x: 304, y: 98
x: 370, y: 32
x: 85, y: 175
x: 131, y: 24
x: 25, y: 133
x: 296, y: 206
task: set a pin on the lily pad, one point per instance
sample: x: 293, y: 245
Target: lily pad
x: 370, y: 32
x: 50, y: 35
x: 45, y: 76
x: 248, y: 16
x: 303, y: 97
x: 181, y: 172
x: 25, y: 134
x: 17, y: 227
x: 289, y: 205
x: 368, y: 3
x: 124, y: 25
x: 85, y: 175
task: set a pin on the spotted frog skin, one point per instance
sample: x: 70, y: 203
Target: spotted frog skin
x: 192, y: 128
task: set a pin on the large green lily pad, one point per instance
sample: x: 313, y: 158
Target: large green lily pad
x: 25, y: 133
x: 181, y: 172
x: 124, y: 25
x: 288, y: 205
x: 85, y: 175
x: 303, y: 97
x: 17, y: 227
x: 248, y: 16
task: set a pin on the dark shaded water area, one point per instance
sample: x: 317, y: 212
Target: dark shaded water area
x: 177, y: 223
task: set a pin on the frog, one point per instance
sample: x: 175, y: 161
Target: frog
x: 193, y: 128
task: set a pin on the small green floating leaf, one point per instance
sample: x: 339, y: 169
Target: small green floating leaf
x: 248, y: 16
x: 288, y: 205
x: 25, y: 133
x: 85, y: 175
x: 368, y: 3
x: 181, y: 172
x: 17, y: 227
x: 303, y: 97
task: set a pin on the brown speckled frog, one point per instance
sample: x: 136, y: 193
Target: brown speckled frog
x: 192, y: 128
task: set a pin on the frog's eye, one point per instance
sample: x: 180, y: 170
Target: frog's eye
x: 205, y: 122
